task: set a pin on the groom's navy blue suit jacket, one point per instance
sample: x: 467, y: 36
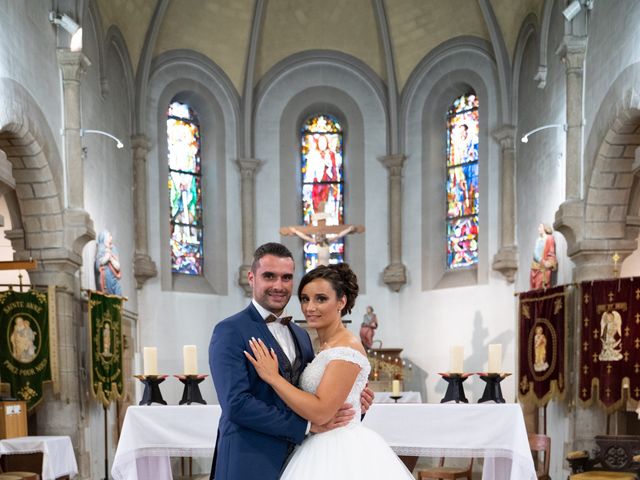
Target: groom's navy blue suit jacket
x: 256, y: 427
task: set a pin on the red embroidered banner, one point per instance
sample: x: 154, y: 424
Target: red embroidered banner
x: 610, y: 342
x: 542, y: 359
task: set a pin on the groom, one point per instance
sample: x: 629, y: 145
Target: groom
x: 257, y: 430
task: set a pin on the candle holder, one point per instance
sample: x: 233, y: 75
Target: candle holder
x: 151, y: 392
x: 455, y: 390
x: 191, y: 393
x: 395, y: 398
x: 492, y: 391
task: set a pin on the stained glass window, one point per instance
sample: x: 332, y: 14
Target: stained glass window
x: 322, y: 183
x: 462, y: 182
x: 185, y: 187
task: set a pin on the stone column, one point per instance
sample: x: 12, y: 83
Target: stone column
x: 506, y: 260
x: 395, y: 274
x: 248, y: 168
x: 572, y: 51
x: 143, y: 267
x: 66, y: 413
x: 73, y: 65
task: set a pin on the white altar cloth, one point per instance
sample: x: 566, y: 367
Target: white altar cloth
x: 151, y: 434
x: 58, y: 458
x: 495, y: 432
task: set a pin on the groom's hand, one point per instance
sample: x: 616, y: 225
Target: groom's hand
x: 340, y: 419
x: 366, y: 399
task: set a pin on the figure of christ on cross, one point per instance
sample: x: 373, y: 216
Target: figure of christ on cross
x: 322, y: 235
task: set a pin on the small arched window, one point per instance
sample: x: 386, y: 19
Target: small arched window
x: 185, y: 189
x: 321, y: 166
x: 462, y: 182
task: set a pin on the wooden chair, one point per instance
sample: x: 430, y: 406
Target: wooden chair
x: 8, y: 473
x: 540, y: 443
x: 616, y: 457
x: 446, y: 473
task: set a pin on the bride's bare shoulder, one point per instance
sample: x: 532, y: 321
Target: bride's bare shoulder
x: 351, y: 341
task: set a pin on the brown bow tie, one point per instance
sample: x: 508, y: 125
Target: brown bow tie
x: 283, y: 320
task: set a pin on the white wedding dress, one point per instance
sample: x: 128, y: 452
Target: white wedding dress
x: 348, y: 453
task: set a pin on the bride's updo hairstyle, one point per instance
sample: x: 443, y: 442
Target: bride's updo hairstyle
x: 341, y: 278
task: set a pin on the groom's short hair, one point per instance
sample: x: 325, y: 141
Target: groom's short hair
x: 271, y: 248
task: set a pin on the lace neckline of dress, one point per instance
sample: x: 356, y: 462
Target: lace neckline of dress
x: 341, y: 347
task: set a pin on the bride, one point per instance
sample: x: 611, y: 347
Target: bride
x: 338, y: 374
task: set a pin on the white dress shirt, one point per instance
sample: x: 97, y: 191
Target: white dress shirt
x: 281, y: 332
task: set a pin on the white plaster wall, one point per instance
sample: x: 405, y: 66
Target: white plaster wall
x: 27, y: 34
x: 540, y: 187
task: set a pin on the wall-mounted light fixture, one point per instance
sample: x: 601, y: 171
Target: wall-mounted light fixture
x: 574, y: 8
x: 525, y: 137
x: 106, y: 134
x: 70, y: 25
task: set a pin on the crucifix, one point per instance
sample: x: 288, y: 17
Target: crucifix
x: 616, y: 259
x: 321, y: 234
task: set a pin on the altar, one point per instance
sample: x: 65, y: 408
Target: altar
x: 152, y: 434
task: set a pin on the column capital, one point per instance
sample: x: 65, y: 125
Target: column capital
x: 395, y: 276
x: 393, y: 163
x: 140, y: 144
x: 505, y: 135
x: 572, y: 51
x: 72, y: 64
x: 248, y: 166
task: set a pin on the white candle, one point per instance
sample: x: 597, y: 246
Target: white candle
x: 495, y: 358
x: 150, y: 360
x: 190, y: 355
x: 456, y: 359
x: 395, y: 388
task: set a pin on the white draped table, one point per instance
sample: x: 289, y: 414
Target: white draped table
x: 152, y: 434
x: 58, y: 459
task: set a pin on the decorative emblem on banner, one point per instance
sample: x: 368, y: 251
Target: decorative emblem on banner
x: 610, y: 340
x: 105, y: 318
x: 25, y: 330
x: 542, y: 362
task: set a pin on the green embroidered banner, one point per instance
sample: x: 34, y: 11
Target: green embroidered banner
x: 25, y: 344
x: 105, y: 318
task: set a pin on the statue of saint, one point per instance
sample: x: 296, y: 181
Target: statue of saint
x: 107, y: 265
x: 544, y: 258
x: 321, y: 234
x: 368, y: 328
x: 540, y: 350
x: 610, y: 327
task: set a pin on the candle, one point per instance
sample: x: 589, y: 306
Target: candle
x: 456, y: 359
x: 190, y: 356
x: 150, y: 361
x: 395, y: 388
x: 495, y: 358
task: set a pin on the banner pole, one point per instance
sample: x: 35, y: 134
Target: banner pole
x: 106, y: 446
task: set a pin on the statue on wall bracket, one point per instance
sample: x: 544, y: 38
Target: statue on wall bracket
x: 107, y: 265
x: 544, y: 261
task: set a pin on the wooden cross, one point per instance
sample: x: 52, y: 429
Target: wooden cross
x: 19, y: 265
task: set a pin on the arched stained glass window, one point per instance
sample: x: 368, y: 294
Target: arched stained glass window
x: 322, y: 184
x: 185, y: 189
x: 462, y: 182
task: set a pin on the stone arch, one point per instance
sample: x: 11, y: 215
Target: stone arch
x: 613, y: 192
x: 608, y: 218
x: 27, y: 141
